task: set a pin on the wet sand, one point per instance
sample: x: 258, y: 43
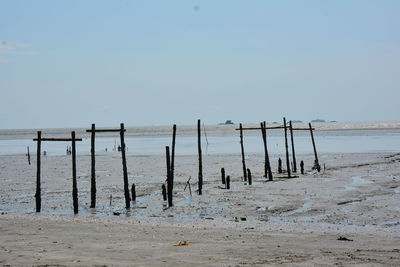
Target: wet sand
x: 288, y: 221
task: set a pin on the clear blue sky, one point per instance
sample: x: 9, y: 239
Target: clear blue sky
x: 73, y: 63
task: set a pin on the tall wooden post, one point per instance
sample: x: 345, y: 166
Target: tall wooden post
x: 38, y: 189
x: 126, y: 186
x: 93, y: 169
x: 200, y: 157
x: 173, y: 151
x: 74, y: 185
x: 267, y: 165
x: 287, y: 149
x: 242, y: 148
x: 292, y: 141
x: 315, y: 150
x: 169, y: 178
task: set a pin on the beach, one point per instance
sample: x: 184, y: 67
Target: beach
x: 347, y: 214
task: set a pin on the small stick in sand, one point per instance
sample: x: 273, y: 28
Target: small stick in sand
x: 223, y: 175
x: 302, y: 167
x: 110, y: 200
x: 228, y: 182
x: 249, y: 176
x: 29, y: 157
x: 279, y: 165
x: 188, y: 184
x: 164, y: 192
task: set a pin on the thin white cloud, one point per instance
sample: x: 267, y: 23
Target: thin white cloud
x: 9, y: 48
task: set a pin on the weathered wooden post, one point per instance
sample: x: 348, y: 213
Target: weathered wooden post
x: 302, y: 167
x: 315, y: 150
x: 293, y: 152
x: 200, y: 157
x: 74, y: 185
x: 38, y: 189
x: 125, y: 171
x: 223, y: 175
x: 133, y: 192
x: 164, y: 192
x: 170, y: 182
x: 29, y: 156
x: 243, y: 159
x: 93, y: 167
x: 249, y: 176
x: 279, y: 165
x: 228, y: 182
x: 173, y: 151
x: 267, y: 165
x: 287, y: 148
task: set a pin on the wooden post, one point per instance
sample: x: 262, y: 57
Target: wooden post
x: 315, y: 150
x: 249, y: 176
x: 93, y: 167
x: 243, y: 159
x: 200, y: 157
x: 29, y: 156
x: 267, y: 165
x: 223, y: 175
x: 292, y: 141
x: 74, y: 185
x: 133, y: 192
x: 287, y: 149
x: 173, y: 151
x: 228, y: 182
x: 169, y: 178
x: 38, y: 189
x: 164, y: 192
x: 279, y: 165
x: 125, y: 171
x: 302, y: 167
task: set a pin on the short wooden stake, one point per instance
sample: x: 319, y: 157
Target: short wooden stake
x: 228, y: 182
x: 223, y: 175
x: 292, y: 142
x: 302, y: 167
x: 170, y: 182
x: 38, y: 189
x: 242, y: 148
x: 287, y: 149
x: 164, y: 192
x: 125, y: 171
x: 279, y: 165
x: 74, y: 185
x: 249, y: 176
x: 133, y: 192
x: 93, y: 167
x: 200, y: 185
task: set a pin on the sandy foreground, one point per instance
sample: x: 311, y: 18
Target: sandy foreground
x: 288, y: 221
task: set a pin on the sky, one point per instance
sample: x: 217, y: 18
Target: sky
x: 72, y: 63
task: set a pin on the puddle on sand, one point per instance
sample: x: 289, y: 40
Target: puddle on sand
x: 306, y: 207
x: 356, y: 181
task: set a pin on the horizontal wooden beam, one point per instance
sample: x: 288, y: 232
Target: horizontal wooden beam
x: 105, y: 130
x: 277, y: 127
x: 57, y: 139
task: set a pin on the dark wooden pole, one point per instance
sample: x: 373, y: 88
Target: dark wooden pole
x: 93, y: 169
x: 223, y: 175
x: 249, y: 176
x: 228, y: 182
x: 287, y: 149
x: 200, y: 157
x: 279, y: 165
x: 38, y: 189
x: 267, y: 165
x: 29, y: 156
x: 164, y: 192
x: 293, y: 152
x: 173, y: 151
x: 74, y: 185
x: 242, y: 148
x: 315, y: 150
x: 302, y: 167
x: 169, y: 178
x: 133, y: 192
x: 126, y: 186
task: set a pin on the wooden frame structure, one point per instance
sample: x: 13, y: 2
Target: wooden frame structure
x: 93, y: 132
x: 38, y: 196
